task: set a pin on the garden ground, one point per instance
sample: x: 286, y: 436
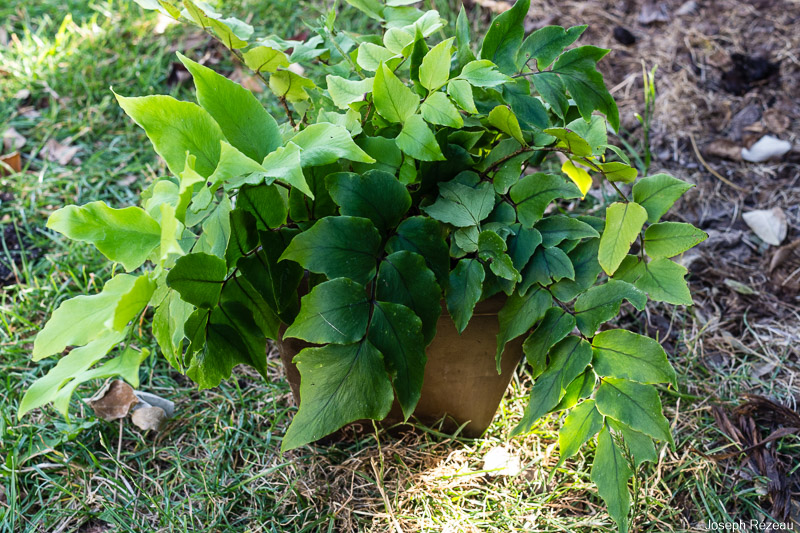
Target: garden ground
x: 216, y: 466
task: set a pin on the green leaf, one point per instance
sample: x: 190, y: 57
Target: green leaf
x: 198, y: 278
x: 663, y: 280
x: 624, y: 222
x: 580, y: 388
x: 581, y: 424
x: 417, y: 140
x: 344, y: 92
x: 558, y: 228
x: 568, y: 359
x: 393, y: 99
x: 418, y: 51
x: 552, y: 91
x: 502, y: 41
x: 535, y: 192
x: 578, y: 69
x: 435, y: 68
x: 265, y: 202
x: 502, y: 118
x: 635, y: 405
x: 45, y: 389
x: 216, y: 230
x: 657, y: 193
x: 423, y: 235
x: 545, y: 44
x: 265, y: 59
x: 372, y: 8
x: 397, y: 333
x: 403, y: 278
x: 233, y: 170
x: 601, y: 303
x: 336, y: 312
x: 326, y: 143
x: 242, y: 119
x: 396, y: 40
x: 82, y: 319
x: 483, y: 73
x: 376, y: 195
x: 570, y: 141
x: 168, y: 328
x: 522, y: 245
x: 132, y: 303
x: 578, y: 175
x: 639, y: 445
x: 530, y: 111
x: 338, y: 246
x: 623, y: 354
x: 466, y: 285
x: 668, y: 239
x: 464, y: 52
x: 554, y: 327
x: 584, y: 259
x: 286, y: 163
x: 617, y: 171
x: 290, y: 86
x: 546, y: 266
x: 593, y: 131
x: 492, y: 248
x: 244, y: 236
x: 275, y: 281
x: 518, y: 315
x: 339, y: 384
x: 461, y: 93
x: 437, y: 109
x: 462, y: 205
x: 610, y: 472
x: 175, y: 128
x: 127, y: 236
x: 371, y: 56
x: 241, y: 291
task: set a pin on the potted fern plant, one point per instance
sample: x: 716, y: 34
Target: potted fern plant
x: 417, y: 222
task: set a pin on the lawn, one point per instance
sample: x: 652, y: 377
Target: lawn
x: 216, y: 466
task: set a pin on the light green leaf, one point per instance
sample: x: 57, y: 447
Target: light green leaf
x: 327, y: 143
x: 372, y: 8
x: 534, y: 192
x: 397, y: 39
x: 77, y: 361
x: 286, y: 84
x: 466, y: 284
x: 602, y: 302
x: 339, y: 384
x: 404, y: 278
x: 545, y: 44
x: 131, y: 303
x: 242, y: 119
x: 81, y: 319
x: 462, y: 205
x: 370, y: 56
x: 435, y: 68
x: 617, y: 171
x: 581, y: 424
x: 216, y: 230
x: 558, y: 228
x: 624, y: 222
x: 339, y: 246
x: 502, y: 42
x: 376, y: 195
x: 393, y: 99
x: 461, y: 93
x: 464, y: 52
x: 335, y: 311
x: 619, y: 353
x: 483, y: 73
x: 554, y: 327
x: 502, y: 118
x: 580, y: 388
x: 663, y: 280
x: 127, y: 235
x: 286, y: 163
x: 417, y: 140
x: 397, y: 333
x: 198, y: 278
x: 635, y: 405
x: 234, y: 169
x: 570, y: 141
x: 265, y: 59
x: 657, y: 193
x: 344, y: 92
x: 168, y: 321
x: 610, y: 472
x: 518, y: 315
x: 568, y: 359
x: 175, y: 128
x: 668, y: 239
x: 437, y: 109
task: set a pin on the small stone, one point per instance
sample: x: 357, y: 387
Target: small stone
x: 623, y: 36
x: 766, y: 148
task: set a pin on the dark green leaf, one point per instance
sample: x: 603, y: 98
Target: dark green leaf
x: 336, y: 312
x: 519, y: 314
x: 554, y: 327
x: 546, y: 266
x: 610, y: 472
x: 417, y: 140
x: 557, y: 228
x: 529, y: 111
x: 464, y: 53
x: 466, y: 281
x: 578, y: 71
x: 580, y: 388
x: 536, y: 191
x: 639, y: 445
x: 553, y: 91
x: 242, y: 291
x: 198, y: 278
x: 601, y: 303
x: 244, y: 236
x: 663, y: 280
x: 376, y: 195
x: 581, y: 424
x: 635, y: 405
x: 545, y: 44
x: 584, y: 260
x: 462, y: 205
x: 522, y: 244
x: 491, y: 249
x: 423, y: 235
x: 502, y: 41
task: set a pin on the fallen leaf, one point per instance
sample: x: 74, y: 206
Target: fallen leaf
x: 653, y: 12
x: 12, y: 140
x: 767, y: 147
x: 127, y: 181
x: 776, y: 121
x: 149, y: 399
x: 747, y: 116
x: 724, y: 148
x: 148, y: 418
x: 10, y: 164
x: 59, y: 153
x: 113, y: 401
x: 500, y: 461
x: 688, y: 8
x: 740, y: 287
x: 768, y: 224
x: 782, y: 254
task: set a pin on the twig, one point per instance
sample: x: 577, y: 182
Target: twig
x: 713, y: 172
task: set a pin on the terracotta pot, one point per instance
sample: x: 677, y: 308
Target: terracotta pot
x: 460, y: 380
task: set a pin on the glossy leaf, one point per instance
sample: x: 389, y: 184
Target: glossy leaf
x: 466, y: 281
x: 581, y: 424
x: 502, y: 41
x: 635, y: 405
x: 623, y: 354
x: 335, y: 311
x: 534, y: 192
x: 393, y: 99
x: 668, y: 239
x: 555, y: 326
x: 417, y: 140
x: 518, y: 315
x: 601, y: 303
x: 624, y: 222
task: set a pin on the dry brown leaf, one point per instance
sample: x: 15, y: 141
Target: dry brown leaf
x: 724, y: 148
x: 782, y: 254
x: 10, y: 164
x: 113, y: 401
x: 59, y: 153
x: 12, y: 140
x: 148, y: 418
x: 149, y: 399
x: 768, y: 224
x: 776, y: 121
